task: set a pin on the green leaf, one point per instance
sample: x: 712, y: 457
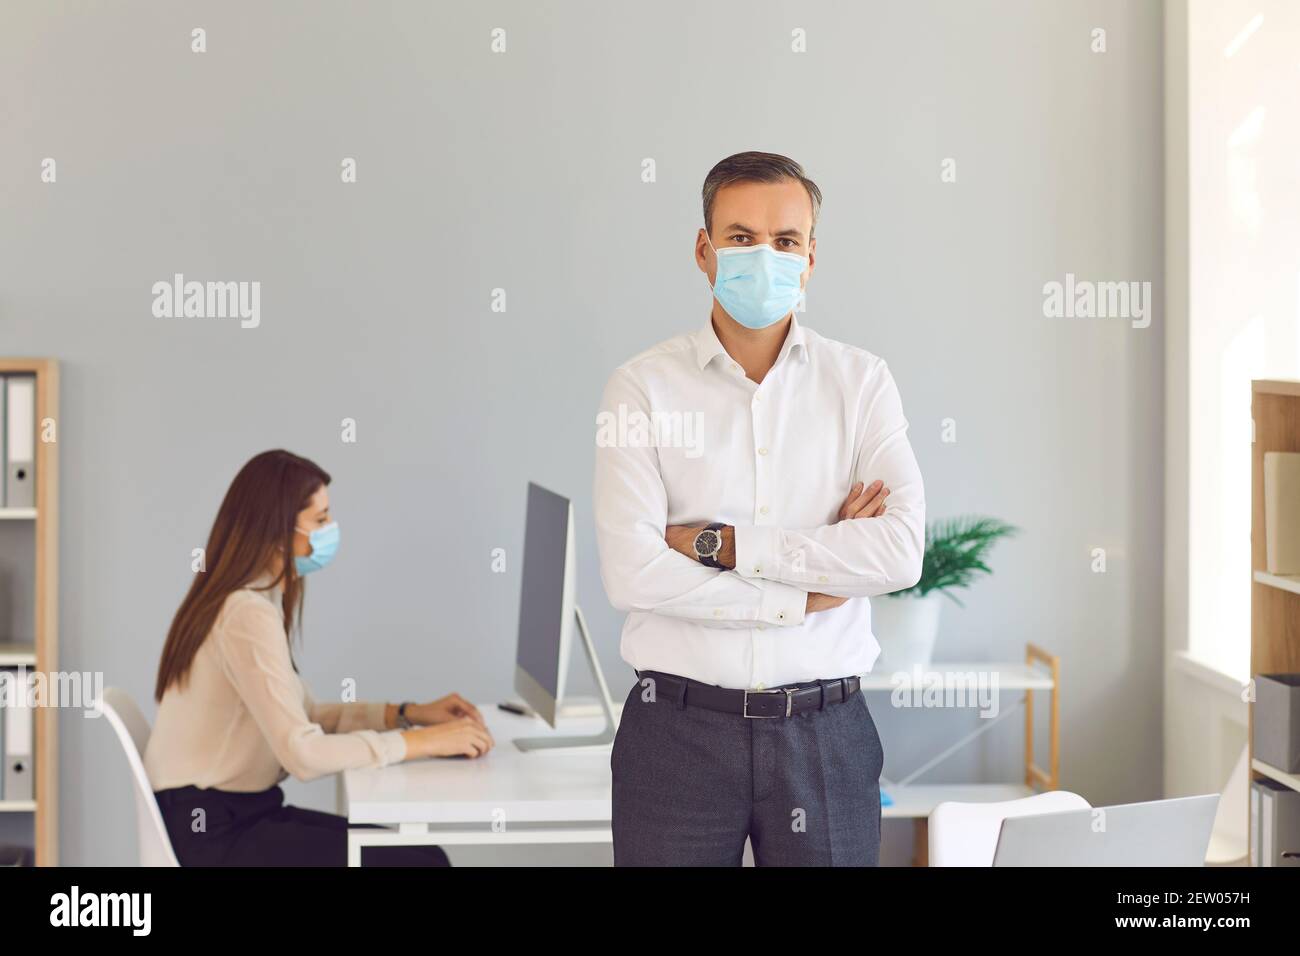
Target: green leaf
x: 955, y: 552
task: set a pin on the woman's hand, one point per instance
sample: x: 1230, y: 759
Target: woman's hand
x: 461, y: 737
x: 451, y: 707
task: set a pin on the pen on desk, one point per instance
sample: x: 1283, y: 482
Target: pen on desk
x: 513, y: 709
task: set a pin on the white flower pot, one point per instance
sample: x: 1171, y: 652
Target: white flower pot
x: 905, y: 629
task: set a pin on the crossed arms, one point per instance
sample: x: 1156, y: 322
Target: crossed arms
x: 778, y: 575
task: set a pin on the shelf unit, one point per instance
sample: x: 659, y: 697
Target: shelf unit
x: 1041, y: 671
x: 1274, y: 598
x: 42, y: 654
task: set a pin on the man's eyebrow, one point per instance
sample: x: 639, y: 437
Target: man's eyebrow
x: 741, y: 227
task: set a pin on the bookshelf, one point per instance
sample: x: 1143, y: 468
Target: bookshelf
x: 1274, y: 599
x: 40, y: 651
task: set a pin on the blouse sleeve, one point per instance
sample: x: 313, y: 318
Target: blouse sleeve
x: 254, y: 654
x: 343, y: 718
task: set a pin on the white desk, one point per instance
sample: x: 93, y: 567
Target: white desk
x: 505, y: 797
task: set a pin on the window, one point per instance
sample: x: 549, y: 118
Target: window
x: 1243, y: 288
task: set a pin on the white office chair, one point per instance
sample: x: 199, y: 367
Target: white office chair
x: 966, y: 834
x: 1228, y: 840
x: 133, y: 733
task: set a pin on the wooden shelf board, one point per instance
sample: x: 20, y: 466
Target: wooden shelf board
x: 1281, y: 776
x: 919, y: 800
x: 17, y: 514
x: 17, y: 806
x: 1287, y: 582
x: 1277, y: 386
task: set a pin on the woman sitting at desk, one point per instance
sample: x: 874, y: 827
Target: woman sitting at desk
x: 235, y: 719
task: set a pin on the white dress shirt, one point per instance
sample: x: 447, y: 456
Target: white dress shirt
x: 684, y: 437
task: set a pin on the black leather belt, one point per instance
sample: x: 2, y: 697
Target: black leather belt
x: 773, y: 702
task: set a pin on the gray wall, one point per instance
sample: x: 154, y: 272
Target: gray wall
x: 522, y: 171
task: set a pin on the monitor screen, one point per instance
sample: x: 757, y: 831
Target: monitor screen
x: 542, y: 604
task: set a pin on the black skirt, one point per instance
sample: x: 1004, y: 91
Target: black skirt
x: 211, y: 827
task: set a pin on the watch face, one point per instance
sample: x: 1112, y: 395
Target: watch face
x: 707, y: 543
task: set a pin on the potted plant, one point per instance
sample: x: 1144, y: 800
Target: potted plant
x: 906, y: 622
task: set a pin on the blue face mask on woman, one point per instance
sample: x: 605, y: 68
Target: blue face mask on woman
x: 757, y: 285
x: 324, y: 545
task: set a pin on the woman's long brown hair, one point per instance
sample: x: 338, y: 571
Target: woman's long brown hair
x: 254, y: 526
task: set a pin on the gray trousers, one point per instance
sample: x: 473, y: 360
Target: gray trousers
x: 691, y: 784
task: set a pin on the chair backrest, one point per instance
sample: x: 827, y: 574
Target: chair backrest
x: 133, y: 734
x: 1228, y: 840
x: 966, y: 834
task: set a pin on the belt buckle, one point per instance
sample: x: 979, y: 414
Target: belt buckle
x: 789, y: 703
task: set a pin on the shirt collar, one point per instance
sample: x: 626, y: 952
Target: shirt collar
x: 794, y: 339
x: 707, y: 346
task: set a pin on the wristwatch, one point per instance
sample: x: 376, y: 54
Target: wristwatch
x: 403, y: 721
x: 708, y: 543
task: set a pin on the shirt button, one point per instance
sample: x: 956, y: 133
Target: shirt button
x: 823, y: 578
x: 758, y: 570
x: 763, y: 510
x: 717, y: 612
x: 780, y: 615
x: 762, y: 451
x: 759, y: 686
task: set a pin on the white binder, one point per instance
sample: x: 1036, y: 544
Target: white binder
x: 20, y: 442
x: 4, y: 456
x: 18, y: 739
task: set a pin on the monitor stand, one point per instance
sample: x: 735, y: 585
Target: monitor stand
x: 606, y: 736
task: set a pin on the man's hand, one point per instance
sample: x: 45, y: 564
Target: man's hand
x: 868, y: 502
x: 821, y: 602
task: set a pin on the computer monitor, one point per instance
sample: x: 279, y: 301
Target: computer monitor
x: 546, y: 603
x: 548, y: 617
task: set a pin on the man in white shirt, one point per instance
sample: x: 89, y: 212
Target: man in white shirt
x: 724, y: 457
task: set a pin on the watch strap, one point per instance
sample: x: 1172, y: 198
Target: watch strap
x: 404, y: 722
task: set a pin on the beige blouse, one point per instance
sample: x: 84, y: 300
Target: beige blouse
x: 245, y: 721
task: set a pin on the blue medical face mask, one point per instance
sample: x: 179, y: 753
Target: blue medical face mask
x: 324, y: 545
x: 757, y: 285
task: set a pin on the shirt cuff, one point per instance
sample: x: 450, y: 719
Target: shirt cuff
x: 392, y: 747
x: 758, y: 551
x: 375, y: 712
x: 782, y: 604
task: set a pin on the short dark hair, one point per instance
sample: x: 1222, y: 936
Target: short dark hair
x: 756, y: 167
